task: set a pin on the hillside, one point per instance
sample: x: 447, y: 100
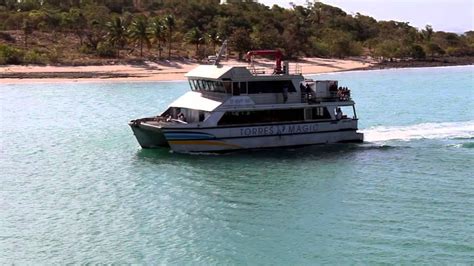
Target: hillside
x: 85, y: 32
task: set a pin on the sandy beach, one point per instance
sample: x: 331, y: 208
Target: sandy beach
x: 158, y: 71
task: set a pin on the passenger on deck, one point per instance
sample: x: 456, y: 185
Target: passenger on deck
x: 303, y: 92
x: 302, y: 87
x: 309, y: 92
x: 181, y: 117
x: 338, y: 113
x: 285, y: 94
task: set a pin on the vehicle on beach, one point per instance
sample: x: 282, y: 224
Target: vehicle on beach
x: 237, y: 107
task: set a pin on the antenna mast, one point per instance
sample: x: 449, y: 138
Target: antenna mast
x: 221, y: 53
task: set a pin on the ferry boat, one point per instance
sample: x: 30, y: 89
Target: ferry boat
x: 239, y: 107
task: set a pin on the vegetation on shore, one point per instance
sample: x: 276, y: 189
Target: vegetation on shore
x: 98, y: 31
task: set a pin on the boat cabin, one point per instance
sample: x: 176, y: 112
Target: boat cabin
x: 234, y: 95
x: 223, y: 82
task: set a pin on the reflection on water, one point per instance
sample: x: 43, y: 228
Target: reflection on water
x: 312, y: 152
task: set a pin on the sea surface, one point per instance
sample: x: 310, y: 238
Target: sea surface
x: 75, y: 187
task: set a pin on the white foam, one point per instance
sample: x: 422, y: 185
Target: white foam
x: 421, y: 131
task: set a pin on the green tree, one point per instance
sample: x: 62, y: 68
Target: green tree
x: 28, y: 5
x: 240, y: 42
x: 170, y: 24
x: 434, y: 49
x: 10, y: 55
x: 387, y: 49
x: 75, y: 21
x: 266, y: 37
x: 213, y: 39
x: 138, y: 32
x: 428, y: 33
x: 157, y: 34
x: 340, y: 45
x: 365, y: 27
x: 117, y: 34
x: 10, y: 4
x: 97, y: 17
x: 418, y: 52
x: 195, y: 36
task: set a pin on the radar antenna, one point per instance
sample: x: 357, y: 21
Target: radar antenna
x: 221, y: 53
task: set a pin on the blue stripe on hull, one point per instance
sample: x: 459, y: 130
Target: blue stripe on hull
x: 176, y: 135
x: 206, y: 136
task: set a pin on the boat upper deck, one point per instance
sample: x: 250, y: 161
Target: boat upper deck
x: 239, y: 73
x: 219, y: 83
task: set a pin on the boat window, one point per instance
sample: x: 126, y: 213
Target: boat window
x: 199, y: 85
x: 219, y: 86
x: 243, y: 87
x: 207, y: 85
x: 212, y: 85
x: 277, y: 86
x: 193, y: 85
x: 321, y: 113
x: 347, y: 112
x: 266, y: 116
x: 227, y: 87
x: 203, y: 85
x: 235, y: 88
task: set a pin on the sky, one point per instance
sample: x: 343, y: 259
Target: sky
x: 445, y: 15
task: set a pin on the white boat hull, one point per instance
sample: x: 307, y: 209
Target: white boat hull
x: 218, y: 139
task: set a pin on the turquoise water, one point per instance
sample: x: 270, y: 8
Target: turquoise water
x: 76, y: 187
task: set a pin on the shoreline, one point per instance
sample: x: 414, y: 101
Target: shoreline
x: 174, y: 71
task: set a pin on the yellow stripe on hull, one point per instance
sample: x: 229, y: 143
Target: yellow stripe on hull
x: 203, y: 142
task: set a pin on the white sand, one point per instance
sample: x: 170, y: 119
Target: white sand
x: 163, y: 71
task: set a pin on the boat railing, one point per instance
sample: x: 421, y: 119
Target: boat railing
x: 313, y: 98
x: 146, y: 120
x: 257, y: 70
x: 292, y: 70
x: 158, y: 120
x: 296, y: 69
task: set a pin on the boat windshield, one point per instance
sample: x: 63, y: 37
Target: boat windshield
x: 209, y: 86
x: 345, y: 112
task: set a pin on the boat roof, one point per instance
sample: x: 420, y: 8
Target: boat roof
x: 218, y: 72
x: 194, y: 100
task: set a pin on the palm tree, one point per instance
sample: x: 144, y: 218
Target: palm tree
x: 195, y: 36
x: 138, y: 32
x: 157, y: 34
x: 170, y: 24
x: 428, y: 32
x: 117, y: 33
x: 214, y: 39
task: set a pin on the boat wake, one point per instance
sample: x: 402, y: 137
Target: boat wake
x: 447, y: 130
